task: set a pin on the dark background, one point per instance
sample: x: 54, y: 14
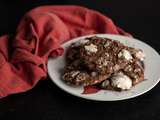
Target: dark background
x: 47, y: 102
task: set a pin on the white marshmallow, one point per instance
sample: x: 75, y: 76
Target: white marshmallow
x: 140, y: 55
x: 126, y: 54
x: 121, y: 81
x: 91, y: 48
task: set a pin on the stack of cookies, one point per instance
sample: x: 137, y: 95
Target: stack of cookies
x: 104, y: 63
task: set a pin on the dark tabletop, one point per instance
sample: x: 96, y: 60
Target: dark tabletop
x: 47, y: 102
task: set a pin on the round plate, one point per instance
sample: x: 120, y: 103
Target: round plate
x: 152, y: 71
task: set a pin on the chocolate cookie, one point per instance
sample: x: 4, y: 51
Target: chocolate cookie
x: 76, y: 74
x: 134, y: 71
x: 105, y: 55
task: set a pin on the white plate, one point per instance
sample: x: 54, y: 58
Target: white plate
x: 152, y: 72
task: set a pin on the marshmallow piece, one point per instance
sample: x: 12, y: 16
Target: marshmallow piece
x: 126, y: 54
x: 91, y: 48
x: 140, y: 55
x: 121, y: 81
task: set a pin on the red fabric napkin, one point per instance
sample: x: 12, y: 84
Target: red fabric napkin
x: 39, y: 35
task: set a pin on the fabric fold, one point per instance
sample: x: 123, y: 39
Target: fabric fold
x: 39, y: 35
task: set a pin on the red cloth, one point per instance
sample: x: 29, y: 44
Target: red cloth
x: 39, y: 35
